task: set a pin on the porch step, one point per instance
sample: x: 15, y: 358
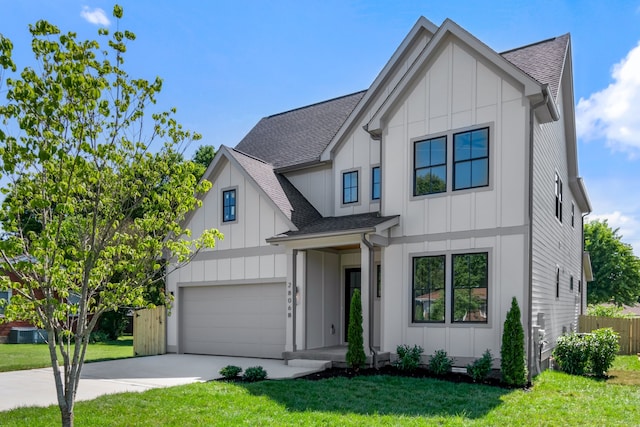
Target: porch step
x: 309, y: 363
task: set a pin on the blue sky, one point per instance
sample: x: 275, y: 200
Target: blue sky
x: 226, y: 64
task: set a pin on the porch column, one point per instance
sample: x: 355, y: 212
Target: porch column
x: 365, y: 289
x: 299, y: 299
x: 290, y: 300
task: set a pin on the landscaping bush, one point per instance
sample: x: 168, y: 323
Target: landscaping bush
x: 572, y: 353
x: 114, y: 323
x: 440, y: 363
x: 408, y: 357
x: 355, y: 350
x: 479, y: 369
x: 513, y: 365
x: 255, y: 373
x: 98, y: 336
x: 602, y: 350
x: 230, y: 371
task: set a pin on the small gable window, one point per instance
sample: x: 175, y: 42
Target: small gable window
x: 471, y: 159
x: 229, y: 205
x: 375, y: 183
x: 430, y: 166
x: 350, y: 187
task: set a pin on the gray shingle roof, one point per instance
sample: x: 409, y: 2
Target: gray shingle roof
x: 298, y: 136
x: 544, y: 61
x: 286, y: 197
x: 341, y: 224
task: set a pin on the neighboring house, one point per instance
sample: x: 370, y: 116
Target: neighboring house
x: 5, y: 327
x: 442, y: 191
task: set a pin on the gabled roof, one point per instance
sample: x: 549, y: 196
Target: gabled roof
x: 544, y: 61
x: 278, y: 189
x: 298, y: 136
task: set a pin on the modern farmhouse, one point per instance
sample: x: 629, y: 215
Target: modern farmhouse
x: 444, y: 190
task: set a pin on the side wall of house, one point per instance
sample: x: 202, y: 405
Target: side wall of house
x: 557, y: 245
x: 243, y: 256
x: 455, y: 91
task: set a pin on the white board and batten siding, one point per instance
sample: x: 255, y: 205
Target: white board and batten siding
x: 231, y: 299
x: 456, y: 91
x: 556, y: 245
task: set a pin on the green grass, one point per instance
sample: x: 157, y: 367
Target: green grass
x: 555, y: 399
x: 14, y: 357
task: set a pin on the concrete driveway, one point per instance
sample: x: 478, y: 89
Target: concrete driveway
x: 35, y: 387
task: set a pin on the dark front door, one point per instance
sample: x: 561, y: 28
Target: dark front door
x: 351, y: 283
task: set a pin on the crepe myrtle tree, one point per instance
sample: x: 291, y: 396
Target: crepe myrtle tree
x: 95, y: 194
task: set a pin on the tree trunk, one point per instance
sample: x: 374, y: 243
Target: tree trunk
x: 67, y: 418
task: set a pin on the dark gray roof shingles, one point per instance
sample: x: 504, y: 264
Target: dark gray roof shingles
x: 544, y: 61
x: 341, y: 223
x: 298, y: 136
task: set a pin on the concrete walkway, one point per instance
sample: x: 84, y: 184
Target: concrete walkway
x: 35, y: 387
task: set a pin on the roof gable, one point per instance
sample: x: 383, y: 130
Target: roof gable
x: 531, y: 87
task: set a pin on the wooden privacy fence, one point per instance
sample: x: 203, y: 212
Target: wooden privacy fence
x: 629, y: 330
x: 149, y: 331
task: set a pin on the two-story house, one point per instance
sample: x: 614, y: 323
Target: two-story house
x: 442, y: 191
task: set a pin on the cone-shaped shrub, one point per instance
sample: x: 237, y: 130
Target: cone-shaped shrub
x: 355, y: 350
x: 513, y: 364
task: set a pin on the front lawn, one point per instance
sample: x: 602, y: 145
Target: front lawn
x: 14, y: 357
x: 555, y: 399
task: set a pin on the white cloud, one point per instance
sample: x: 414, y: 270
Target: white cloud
x: 95, y: 16
x: 614, y: 112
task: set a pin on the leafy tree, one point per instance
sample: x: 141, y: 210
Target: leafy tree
x: 616, y: 269
x: 355, y: 350
x: 107, y: 202
x: 513, y: 363
x: 204, y: 155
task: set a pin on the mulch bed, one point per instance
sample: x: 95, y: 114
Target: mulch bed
x: 492, y: 380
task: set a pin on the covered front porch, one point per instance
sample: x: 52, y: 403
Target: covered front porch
x: 324, y: 269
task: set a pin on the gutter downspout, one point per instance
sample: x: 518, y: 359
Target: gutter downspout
x: 374, y: 354
x: 545, y: 100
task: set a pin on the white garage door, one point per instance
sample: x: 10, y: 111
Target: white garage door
x: 238, y: 320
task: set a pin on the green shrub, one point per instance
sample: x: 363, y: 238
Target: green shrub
x: 440, y: 363
x: 513, y: 365
x: 572, y: 353
x: 355, y: 350
x: 603, y: 310
x: 230, y: 371
x: 114, y: 323
x: 255, y: 373
x: 408, y: 357
x: 98, y: 336
x: 602, y: 350
x: 479, y: 369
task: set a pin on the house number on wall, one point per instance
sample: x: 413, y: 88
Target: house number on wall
x: 289, y: 299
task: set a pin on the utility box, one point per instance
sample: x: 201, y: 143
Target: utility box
x: 27, y: 335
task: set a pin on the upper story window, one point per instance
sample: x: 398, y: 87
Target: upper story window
x: 375, y: 183
x: 350, y: 187
x: 470, y: 287
x: 229, y: 205
x: 573, y: 214
x: 558, y: 197
x: 428, y: 289
x: 471, y: 159
x: 430, y: 166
